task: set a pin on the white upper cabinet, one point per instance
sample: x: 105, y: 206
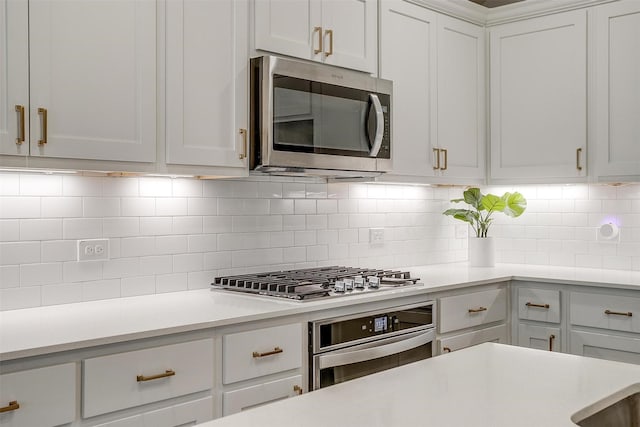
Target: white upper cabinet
x: 207, y: 80
x: 538, y: 99
x: 408, y: 57
x: 616, y: 104
x: 14, y: 77
x: 460, y: 145
x: 342, y: 33
x: 93, y: 79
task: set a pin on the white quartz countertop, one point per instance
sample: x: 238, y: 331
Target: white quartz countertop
x: 489, y: 385
x: 44, y: 330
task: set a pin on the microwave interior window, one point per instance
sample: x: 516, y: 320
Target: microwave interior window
x: 320, y: 118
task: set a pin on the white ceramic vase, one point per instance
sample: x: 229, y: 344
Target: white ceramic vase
x: 482, y: 252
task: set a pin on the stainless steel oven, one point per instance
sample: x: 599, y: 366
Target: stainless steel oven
x: 341, y: 349
x: 317, y: 119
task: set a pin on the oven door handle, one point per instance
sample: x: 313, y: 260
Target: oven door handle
x: 398, y: 345
x: 376, y: 111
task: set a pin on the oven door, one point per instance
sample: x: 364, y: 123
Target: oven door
x: 349, y: 363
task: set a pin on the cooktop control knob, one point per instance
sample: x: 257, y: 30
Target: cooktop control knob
x: 374, y: 282
x: 358, y: 282
x: 348, y: 284
x: 339, y: 286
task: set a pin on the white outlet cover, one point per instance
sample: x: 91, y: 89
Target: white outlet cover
x: 93, y: 250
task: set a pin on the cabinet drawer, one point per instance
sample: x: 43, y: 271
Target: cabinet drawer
x: 261, y: 352
x: 542, y: 305
x: 39, y: 397
x: 614, y: 312
x: 464, y: 311
x: 181, y: 415
x: 138, y: 377
x: 261, y: 394
x: 608, y: 347
x: 494, y: 334
x: 539, y: 337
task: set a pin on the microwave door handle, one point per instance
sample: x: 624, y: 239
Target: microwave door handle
x: 331, y: 360
x: 377, y: 139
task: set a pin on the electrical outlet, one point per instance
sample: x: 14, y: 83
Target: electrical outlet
x: 93, y: 250
x: 376, y: 236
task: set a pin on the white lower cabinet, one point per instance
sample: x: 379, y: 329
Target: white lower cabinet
x: 180, y: 415
x: 260, y: 394
x: 134, y: 378
x: 496, y: 334
x: 38, y: 397
x: 541, y: 337
x: 606, y: 346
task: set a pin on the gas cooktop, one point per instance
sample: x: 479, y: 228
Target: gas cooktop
x: 313, y: 283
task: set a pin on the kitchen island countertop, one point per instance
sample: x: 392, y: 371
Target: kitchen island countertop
x: 45, y: 330
x: 489, y: 385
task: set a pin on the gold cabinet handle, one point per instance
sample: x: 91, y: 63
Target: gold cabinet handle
x: 446, y: 349
x: 551, y: 338
x: 477, y: 310
x: 330, y: 34
x: 13, y: 405
x: 276, y: 350
x: 619, y: 313
x: 20, y: 111
x: 43, y: 114
x: 436, y: 151
x: 531, y: 304
x: 165, y: 374
x: 319, y: 31
x: 446, y: 161
x: 297, y: 389
x: 243, y: 155
x: 578, y: 152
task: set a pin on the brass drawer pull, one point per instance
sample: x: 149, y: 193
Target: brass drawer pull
x: 276, y: 350
x: 578, y: 152
x: 446, y: 349
x: 330, y: 34
x: 551, y: 338
x: 20, y: 111
x: 477, y: 310
x: 619, y: 313
x: 436, y: 151
x: 446, y: 161
x: 167, y: 373
x: 297, y: 389
x: 531, y: 304
x: 43, y: 113
x: 13, y: 405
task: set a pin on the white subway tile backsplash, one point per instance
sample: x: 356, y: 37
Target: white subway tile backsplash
x: 177, y: 234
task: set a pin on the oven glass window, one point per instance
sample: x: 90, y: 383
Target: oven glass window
x: 320, y: 118
x: 338, y: 374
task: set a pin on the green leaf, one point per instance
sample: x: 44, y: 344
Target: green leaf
x: 462, y: 214
x: 515, y: 204
x: 493, y: 203
x: 473, y: 197
x: 457, y: 200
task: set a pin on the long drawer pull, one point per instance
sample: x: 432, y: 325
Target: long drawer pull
x: 43, y: 114
x: 13, y: 405
x: 551, y: 338
x: 531, y: 304
x: 297, y: 389
x: 20, y: 111
x: 165, y: 374
x: 619, y: 313
x: 446, y: 349
x: 276, y: 350
x: 477, y: 310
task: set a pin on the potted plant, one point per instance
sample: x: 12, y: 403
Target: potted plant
x: 479, y: 216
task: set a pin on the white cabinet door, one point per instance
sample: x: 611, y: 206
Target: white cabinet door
x: 617, y: 97
x: 342, y: 33
x: 608, y: 347
x: 353, y: 38
x: 461, y: 99
x: 539, y: 337
x: 14, y: 77
x: 289, y: 27
x: 93, y: 79
x: 261, y: 394
x: 207, y: 80
x: 408, y: 57
x: 538, y: 98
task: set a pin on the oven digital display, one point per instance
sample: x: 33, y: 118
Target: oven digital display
x: 380, y: 324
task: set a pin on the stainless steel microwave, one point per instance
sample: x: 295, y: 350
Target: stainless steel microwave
x: 316, y: 119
